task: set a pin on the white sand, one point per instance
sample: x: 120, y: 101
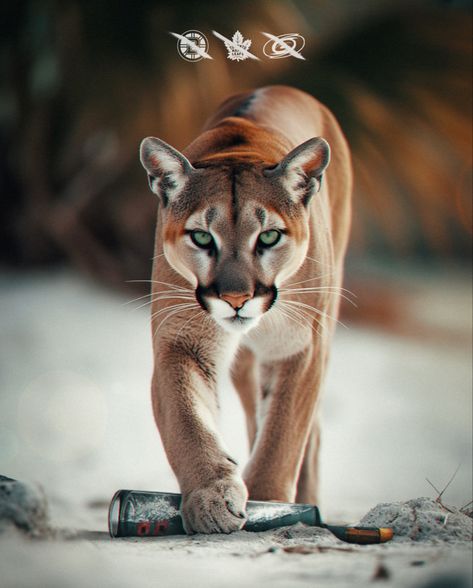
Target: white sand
x: 75, y: 418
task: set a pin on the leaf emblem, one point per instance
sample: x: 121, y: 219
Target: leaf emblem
x: 237, y: 47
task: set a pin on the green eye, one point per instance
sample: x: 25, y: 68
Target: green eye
x: 202, y: 239
x: 269, y: 238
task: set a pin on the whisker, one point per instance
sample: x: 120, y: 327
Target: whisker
x: 172, y: 307
x: 301, y: 318
x: 170, y: 314
x: 309, y: 308
x: 313, y: 309
x: 319, y: 277
x: 172, y: 294
x: 295, y: 311
x: 151, y: 294
x: 317, y: 261
x: 166, y: 297
x: 306, y: 316
x: 313, y: 259
x: 173, y: 286
x: 188, y: 321
x: 316, y: 288
x: 285, y: 312
x: 136, y: 299
x: 330, y: 289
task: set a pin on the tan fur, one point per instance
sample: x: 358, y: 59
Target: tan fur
x: 279, y: 364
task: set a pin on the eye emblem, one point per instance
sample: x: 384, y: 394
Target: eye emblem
x: 269, y: 238
x: 202, y: 239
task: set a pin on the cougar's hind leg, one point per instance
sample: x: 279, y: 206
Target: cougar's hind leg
x: 308, y: 482
x: 244, y: 377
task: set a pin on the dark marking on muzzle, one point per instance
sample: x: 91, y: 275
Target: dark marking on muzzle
x: 270, y: 291
x: 214, y: 290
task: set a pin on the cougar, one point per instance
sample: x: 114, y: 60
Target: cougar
x: 251, y: 234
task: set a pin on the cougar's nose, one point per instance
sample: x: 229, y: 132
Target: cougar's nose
x: 235, y: 300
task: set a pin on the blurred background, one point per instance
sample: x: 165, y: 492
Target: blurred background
x: 82, y: 82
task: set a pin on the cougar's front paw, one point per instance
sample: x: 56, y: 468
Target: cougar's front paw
x: 216, y: 508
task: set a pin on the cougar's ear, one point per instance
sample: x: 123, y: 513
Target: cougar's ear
x: 302, y: 169
x: 168, y: 169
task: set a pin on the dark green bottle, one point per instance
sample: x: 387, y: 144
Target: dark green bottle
x: 134, y: 513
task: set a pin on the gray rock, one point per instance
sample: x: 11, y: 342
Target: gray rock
x: 422, y: 520
x: 23, y: 507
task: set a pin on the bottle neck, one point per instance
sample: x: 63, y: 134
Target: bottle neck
x: 269, y: 515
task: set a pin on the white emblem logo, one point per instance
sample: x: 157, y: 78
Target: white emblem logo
x: 288, y: 45
x: 192, y: 45
x: 237, y: 47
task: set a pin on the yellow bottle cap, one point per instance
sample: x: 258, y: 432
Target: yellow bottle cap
x: 385, y: 534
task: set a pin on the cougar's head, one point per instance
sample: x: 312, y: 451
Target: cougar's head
x: 235, y: 230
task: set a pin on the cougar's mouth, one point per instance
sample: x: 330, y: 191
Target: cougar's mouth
x: 242, y: 320
x: 237, y: 323
x: 236, y: 320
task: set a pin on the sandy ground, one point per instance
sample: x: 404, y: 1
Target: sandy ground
x: 75, y: 418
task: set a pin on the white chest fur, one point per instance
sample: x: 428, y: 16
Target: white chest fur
x: 277, y: 337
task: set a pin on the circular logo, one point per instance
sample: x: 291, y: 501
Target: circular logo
x: 192, y: 45
x: 290, y: 44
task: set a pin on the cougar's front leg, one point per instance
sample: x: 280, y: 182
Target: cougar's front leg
x: 185, y: 407
x: 308, y: 482
x: 244, y: 379
x: 290, y: 391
